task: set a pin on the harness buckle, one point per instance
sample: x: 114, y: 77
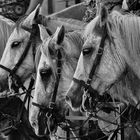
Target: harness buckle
x: 51, y: 105
x: 59, y: 70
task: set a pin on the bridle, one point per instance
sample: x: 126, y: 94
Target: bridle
x: 12, y: 72
x: 51, y: 111
x: 88, y: 89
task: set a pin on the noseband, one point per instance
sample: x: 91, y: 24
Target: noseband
x: 12, y: 72
x: 87, y: 85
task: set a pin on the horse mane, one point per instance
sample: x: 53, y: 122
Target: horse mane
x: 7, y: 21
x: 72, y: 59
x: 126, y: 29
x: 76, y: 38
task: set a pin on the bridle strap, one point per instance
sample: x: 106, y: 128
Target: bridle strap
x: 6, y: 69
x: 43, y: 108
x: 59, y: 66
x: 32, y: 36
x: 96, y: 63
x: 27, y: 96
x: 98, y: 57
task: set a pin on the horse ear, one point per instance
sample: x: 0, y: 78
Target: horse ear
x: 43, y: 33
x: 103, y: 15
x: 125, y: 5
x: 59, y: 35
x: 31, y: 19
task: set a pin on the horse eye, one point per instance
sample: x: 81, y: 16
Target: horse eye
x: 15, y: 44
x: 87, y: 51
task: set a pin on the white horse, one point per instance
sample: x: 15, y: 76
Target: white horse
x: 120, y: 53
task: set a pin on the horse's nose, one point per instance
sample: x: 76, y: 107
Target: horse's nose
x: 67, y: 98
x: 45, y: 72
x: 34, y: 124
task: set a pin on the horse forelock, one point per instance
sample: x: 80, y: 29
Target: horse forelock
x: 76, y: 39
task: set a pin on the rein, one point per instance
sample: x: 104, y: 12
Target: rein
x: 16, y: 121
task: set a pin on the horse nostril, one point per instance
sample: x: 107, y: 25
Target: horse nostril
x: 34, y: 124
x: 67, y: 98
x: 45, y: 72
x: 82, y: 109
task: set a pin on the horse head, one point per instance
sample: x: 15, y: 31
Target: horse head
x: 55, y: 70
x: 101, y: 62
x: 22, y: 44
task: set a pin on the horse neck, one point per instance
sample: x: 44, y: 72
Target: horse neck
x: 71, y: 49
x: 70, y: 24
x: 127, y: 89
x: 127, y: 29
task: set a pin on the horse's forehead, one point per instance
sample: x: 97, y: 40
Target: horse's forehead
x: 50, y: 43
x: 18, y: 35
x: 91, y: 41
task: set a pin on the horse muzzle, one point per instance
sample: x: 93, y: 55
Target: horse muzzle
x: 42, y: 125
x: 88, y: 103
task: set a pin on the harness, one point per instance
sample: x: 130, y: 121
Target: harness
x: 16, y: 121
